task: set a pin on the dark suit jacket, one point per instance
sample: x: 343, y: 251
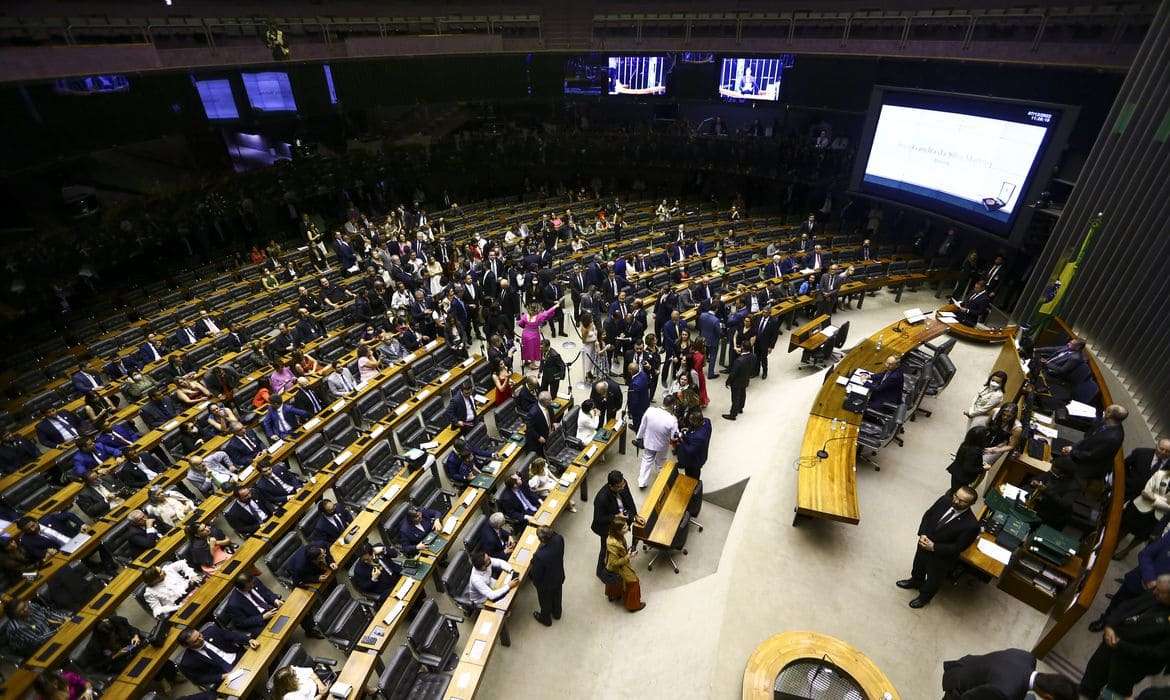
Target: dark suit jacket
x: 92, y: 503
x: 239, y: 453
x: 243, y: 520
x: 886, y: 388
x: 639, y: 395
x: 241, y: 613
x: 16, y: 453
x: 547, y: 570
x: 292, y: 415
x: 82, y: 386
x: 692, y: 447
x: 952, y: 538
x: 139, y: 540
x: 1138, y: 470
x: 487, y: 539
x: 144, y: 357
x: 270, y: 493
x: 49, y: 435
x: 976, y: 304
x: 204, y: 671
x: 326, y: 530
x: 456, y: 412
x: 131, y: 475
x: 766, y: 339
x: 510, y: 505
x: 605, y: 507
x: 363, y: 579
x: 1092, y: 457
x: 301, y: 569
x: 302, y: 401
x: 741, y: 371
x: 409, y: 536
x: 1000, y: 674
x: 611, y: 404
x: 536, y: 427
x: 221, y: 379
x: 155, y: 414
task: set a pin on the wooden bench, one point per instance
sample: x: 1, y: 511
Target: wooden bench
x: 663, y: 513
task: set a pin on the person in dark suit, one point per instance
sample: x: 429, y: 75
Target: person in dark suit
x: 607, y: 398
x: 376, y: 573
x: 493, y: 538
x: 1007, y: 674
x: 973, y: 308
x: 332, y: 520
x: 138, y: 469
x: 613, y: 501
x: 967, y: 468
x: 767, y: 331
x: 1141, y: 463
x: 250, y: 605
x: 1092, y: 458
x: 547, y: 572
x: 84, y: 381
x: 210, y: 653
x: 243, y: 447
x: 281, y: 419
x: 461, y: 408
x: 58, y: 428
x: 885, y: 387
x: 1061, y: 362
x: 142, y: 534
x: 817, y: 259
x: 460, y: 466
x: 310, y: 564
x: 1133, y: 644
x: 277, y: 483
x: 538, y: 424
x: 183, y: 336
x: 552, y: 368
x: 307, y: 398
x: 551, y: 294
x: 232, y: 339
x: 150, y: 352
x: 1153, y: 561
x: 948, y: 527
x: 117, y: 367
x: 418, y: 523
x: 158, y: 408
x: 671, y: 331
x: 15, y: 452
x: 518, y: 502
x: 637, y: 393
x: 246, y: 514
x: 95, y: 499
x: 695, y: 438
x: 738, y: 378
x: 222, y: 380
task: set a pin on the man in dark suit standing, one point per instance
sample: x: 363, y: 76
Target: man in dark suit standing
x: 461, y: 408
x: 767, y: 331
x: 948, y: 527
x: 607, y: 397
x: 738, y: 378
x: 638, y: 393
x: 551, y: 294
x: 1141, y: 464
x: 548, y: 574
x: 1133, y: 644
x: 1153, y: 562
x: 615, y: 500
x: 1007, y: 674
x: 538, y: 424
x: 1092, y: 458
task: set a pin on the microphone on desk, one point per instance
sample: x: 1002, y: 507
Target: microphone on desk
x: 823, y: 453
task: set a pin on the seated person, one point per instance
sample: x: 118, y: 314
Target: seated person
x: 1060, y: 363
x: 518, y: 503
x: 1061, y: 489
x: 168, y: 585
x: 210, y: 653
x: 142, y: 534
x: 461, y: 466
x: 246, y: 514
x: 282, y: 418
x: 418, y: 523
x: 493, y: 537
x: 973, y: 308
x: 310, y: 564
x: 112, y: 645
x: 885, y: 387
x: 58, y: 428
x: 376, y: 572
x: 15, y: 562
x: 332, y: 520
x: 115, y: 437
x: 277, y: 483
x: 138, y: 469
x: 480, y: 584
x: 15, y: 452
x: 243, y: 447
x: 27, y: 625
x: 297, y: 683
x: 207, y: 548
x: 168, y: 506
x: 158, y: 408
x: 139, y: 385
x: 250, y: 605
x: 212, y: 473
x: 95, y: 498
x: 89, y: 456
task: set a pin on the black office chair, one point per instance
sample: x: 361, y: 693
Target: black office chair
x: 342, y: 619
x: 407, y: 679
x: 313, y: 453
x: 426, y: 492
x: 695, y: 506
x: 472, y: 528
x: 370, y: 409
x: 410, y: 434
x: 117, y: 541
x: 279, y: 555
x: 354, y: 488
x: 433, y: 636
x: 340, y: 432
x: 381, y: 463
x: 508, y: 420
x: 388, y: 528
x: 454, y: 581
x: 433, y: 415
x: 396, y: 391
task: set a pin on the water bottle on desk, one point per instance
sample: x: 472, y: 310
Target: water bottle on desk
x: 879, y: 344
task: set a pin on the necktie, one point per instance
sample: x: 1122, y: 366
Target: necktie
x: 336, y: 520
x: 190, y: 335
x: 524, y: 500
x: 64, y: 428
x: 947, y: 517
x: 247, y: 443
x: 256, y: 511
x: 256, y: 600
x: 313, y: 400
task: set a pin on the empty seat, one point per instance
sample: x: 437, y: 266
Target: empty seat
x: 313, y: 453
x: 381, y: 463
x: 339, y: 431
x: 29, y: 492
x: 342, y: 619
x: 507, y: 418
x: 433, y: 636
x: 396, y: 391
x: 354, y: 488
x: 426, y: 493
x: 407, y: 679
x: 433, y: 414
x: 370, y: 408
x: 410, y: 434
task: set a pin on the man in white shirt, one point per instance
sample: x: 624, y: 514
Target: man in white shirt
x: 479, y: 585
x: 658, y: 428
x: 167, y: 586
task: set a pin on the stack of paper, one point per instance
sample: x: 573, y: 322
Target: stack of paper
x: 857, y: 389
x: 914, y: 315
x: 829, y: 331
x: 1081, y: 410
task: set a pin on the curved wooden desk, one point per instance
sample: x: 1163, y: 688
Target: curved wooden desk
x: 978, y: 335
x: 827, y: 488
x: 780, y: 650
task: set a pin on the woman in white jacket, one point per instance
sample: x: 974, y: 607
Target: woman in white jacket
x: 987, y: 400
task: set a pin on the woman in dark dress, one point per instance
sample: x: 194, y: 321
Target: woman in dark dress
x: 967, y: 467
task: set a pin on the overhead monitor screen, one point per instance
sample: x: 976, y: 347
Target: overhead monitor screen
x: 637, y: 75
x: 964, y: 157
x: 751, y: 78
x: 269, y: 92
x: 216, y: 96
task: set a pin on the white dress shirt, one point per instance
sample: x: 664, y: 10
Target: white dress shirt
x: 587, y: 425
x: 479, y: 585
x: 658, y: 426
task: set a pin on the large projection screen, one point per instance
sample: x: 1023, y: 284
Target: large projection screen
x: 971, y: 159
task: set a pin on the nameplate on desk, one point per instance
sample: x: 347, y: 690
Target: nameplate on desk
x: 394, y: 612
x: 402, y: 409
x: 445, y: 376
x: 234, y: 678
x: 531, y: 539
x: 481, y: 399
x: 468, y: 498
x: 428, y: 445
x: 340, y: 689
x: 342, y: 457
x: 449, y: 526
x: 423, y: 394
x: 545, y: 518
x: 509, y: 449
x: 404, y: 590
x: 591, y: 451
x: 312, y: 423
x: 523, y: 556
x: 478, y: 647
x: 552, y: 503
x: 842, y: 380
x: 246, y: 473
x: 493, y: 466
x: 857, y: 389
x: 275, y: 446
x: 568, y: 478
x: 394, y: 489
x: 432, y: 345
x: 171, y: 425
x: 378, y: 429
x: 202, y: 405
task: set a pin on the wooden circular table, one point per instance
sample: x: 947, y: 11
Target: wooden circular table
x: 781, y: 650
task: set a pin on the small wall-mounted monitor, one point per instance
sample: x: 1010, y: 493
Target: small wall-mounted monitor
x: 637, y: 75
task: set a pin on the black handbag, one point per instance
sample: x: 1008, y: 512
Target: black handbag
x: 158, y: 635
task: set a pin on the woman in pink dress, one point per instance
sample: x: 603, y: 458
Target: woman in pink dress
x: 530, y: 324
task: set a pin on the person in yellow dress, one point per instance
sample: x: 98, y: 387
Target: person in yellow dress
x: 617, y: 560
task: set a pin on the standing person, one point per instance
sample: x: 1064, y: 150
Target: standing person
x: 710, y: 329
x: 767, y: 331
x: 637, y: 394
x: 697, y: 356
x: 967, y: 468
x: 691, y: 450
x: 987, y: 400
x: 1144, y: 511
x: 552, y: 368
x: 530, y: 324
x: 590, y: 345
x: 615, y: 500
x: 538, y: 424
x: 1133, y: 644
x: 738, y: 378
x: 548, y: 574
x: 618, y: 555
x: 1153, y: 561
x: 948, y: 527
x: 1007, y: 674
x: 656, y: 433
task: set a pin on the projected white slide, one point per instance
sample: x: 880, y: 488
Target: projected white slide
x: 981, y: 161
